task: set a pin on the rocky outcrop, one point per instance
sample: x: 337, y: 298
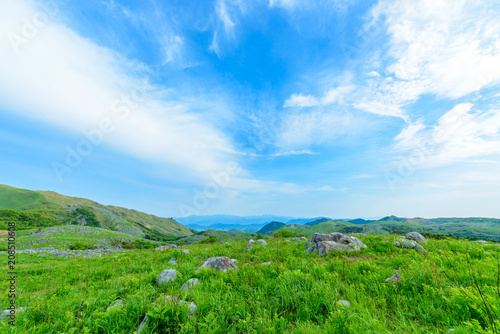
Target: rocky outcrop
x: 415, y: 236
x: 410, y: 244
x: 325, y: 243
x: 222, y: 263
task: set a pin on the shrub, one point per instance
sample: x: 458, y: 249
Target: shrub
x: 286, y: 234
x: 81, y: 246
x: 210, y: 240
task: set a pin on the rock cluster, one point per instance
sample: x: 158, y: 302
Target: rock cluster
x: 324, y: 243
x: 162, y: 248
x: 415, y: 236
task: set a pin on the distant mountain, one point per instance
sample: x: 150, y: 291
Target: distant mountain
x: 64, y: 209
x: 392, y: 219
x: 272, y: 226
x: 230, y: 220
x: 317, y: 221
x: 360, y: 221
x: 251, y: 228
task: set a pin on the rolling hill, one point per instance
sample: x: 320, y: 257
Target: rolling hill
x: 272, y: 226
x: 57, y: 205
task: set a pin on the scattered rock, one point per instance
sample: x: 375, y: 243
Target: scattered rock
x: 162, y: 248
x: 415, y: 236
x: 185, y: 251
x: 142, y: 325
x: 337, y: 242
x: 167, y: 276
x: 5, y: 314
x: 410, y: 244
x: 288, y: 240
x: 190, y: 282
x: 116, y: 303
x: 172, y: 261
x: 344, y: 302
x: 251, y: 242
x: 262, y: 242
x: 394, y: 278
x: 484, y: 242
x: 175, y: 300
x: 41, y: 254
x: 266, y: 263
x: 218, y: 263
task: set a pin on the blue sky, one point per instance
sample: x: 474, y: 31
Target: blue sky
x: 288, y: 107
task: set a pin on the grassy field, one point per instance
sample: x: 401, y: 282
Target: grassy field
x: 454, y: 286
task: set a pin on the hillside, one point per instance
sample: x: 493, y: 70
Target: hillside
x: 272, y: 226
x: 476, y: 228
x: 22, y: 199
x: 277, y: 288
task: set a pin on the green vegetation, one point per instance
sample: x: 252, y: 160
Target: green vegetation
x: 286, y: 234
x: 25, y: 219
x: 210, y: 240
x: 272, y: 226
x: 454, y: 286
x: 80, y: 246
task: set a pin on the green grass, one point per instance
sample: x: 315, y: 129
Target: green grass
x: 297, y: 293
x: 16, y: 199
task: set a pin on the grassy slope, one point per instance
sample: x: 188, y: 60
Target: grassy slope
x: 297, y: 293
x: 272, y: 226
x: 21, y: 199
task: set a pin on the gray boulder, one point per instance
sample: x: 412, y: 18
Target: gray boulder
x: 410, y: 244
x: 251, y: 242
x: 342, y: 243
x: 262, y: 242
x: 167, y: 276
x: 190, y: 282
x: 318, y: 237
x: 221, y: 263
x: 415, y: 236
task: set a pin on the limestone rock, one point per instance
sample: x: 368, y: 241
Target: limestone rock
x: 172, y: 261
x: 167, y: 276
x: 162, y: 248
x: 218, y: 263
x: 116, y: 303
x: 262, y: 242
x: 340, y: 243
x: 190, y: 282
x: 394, y: 278
x: 415, y: 236
x: 344, y: 302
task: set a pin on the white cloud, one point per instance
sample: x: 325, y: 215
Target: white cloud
x: 60, y: 78
x: 299, y: 100
x: 464, y: 133
x: 451, y: 48
x: 293, y: 152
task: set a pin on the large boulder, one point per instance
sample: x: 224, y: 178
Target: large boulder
x: 415, y: 236
x: 317, y: 237
x: 340, y: 243
x: 167, y: 276
x: 221, y: 263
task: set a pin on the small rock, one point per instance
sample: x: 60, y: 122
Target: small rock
x: 251, y: 242
x: 266, y: 263
x: 172, y: 261
x: 5, y: 314
x: 116, y: 303
x: 190, y: 282
x: 393, y: 278
x: 234, y: 260
x: 162, y: 248
x: 185, y: 251
x: 344, y: 302
x: 41, y: 255
x: 262, y: 242
x: 142, y: 325
x: 484, y: 242
x: 175, y: 300
x: 167, y: 276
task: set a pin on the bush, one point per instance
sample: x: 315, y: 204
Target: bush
x: 259, y: 236
x: 81, y: 246
x: 210, y: 240
x: 286, y: 234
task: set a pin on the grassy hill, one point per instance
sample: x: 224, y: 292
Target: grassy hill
x: 272, y: 226
x: 477, y: 228
x: 452, y: 288
x: 21, y: 199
